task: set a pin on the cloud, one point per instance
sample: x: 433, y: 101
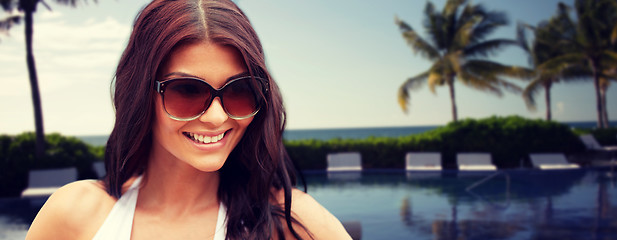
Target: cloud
x: 75, y: 64
x: 47, y: 15
x: 559, y: 108
x: 67, y: 53
x: 104, y: 35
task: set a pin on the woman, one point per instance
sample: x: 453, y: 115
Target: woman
x: 196, y: 151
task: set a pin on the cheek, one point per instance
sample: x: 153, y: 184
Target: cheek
x: 163, y: 126
x: 244, y: 123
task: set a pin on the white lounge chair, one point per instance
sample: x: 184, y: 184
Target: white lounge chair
x: 354, y: 228
x: 349, y: 161
x: 475, y: 162
x: 99, y: 168
x: 547, y: 161
x: 43, y: 183
x: 423, y: 161
x: 591, y: 144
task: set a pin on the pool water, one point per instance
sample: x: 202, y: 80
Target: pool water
x: 517, y: 204
x: 514, y: 204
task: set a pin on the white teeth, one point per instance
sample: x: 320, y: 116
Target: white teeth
x: 206, y: 139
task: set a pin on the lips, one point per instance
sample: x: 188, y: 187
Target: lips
x: 204, y: 139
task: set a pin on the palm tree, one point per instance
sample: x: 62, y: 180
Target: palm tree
x: 588, y: 43
x: 28, y: 8
x: 542, y: 49
x: 457, y: 36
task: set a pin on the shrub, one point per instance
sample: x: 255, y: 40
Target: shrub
x: 508, y: 139
x: 17, y: 158
x: 604, y: 136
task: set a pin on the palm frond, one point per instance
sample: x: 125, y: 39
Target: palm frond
x: 479, y: 82
x: 521, y: 36
x: 466, y: 15
x: 8, y: 5
x: 487, y: 48
x: 557, y: 64
x: 454, y: 62
x: 437, y: 74
x: 416, y: 82
x: 416, y: 42
x: 73, y: 3
x: 486, y: 75
x: 614, y: 35
x: 490, y: 21
x: 490, y: 69
x: 531, y: 91
x: 518, y: 72
x: 511, y: 87
x: 7, y: 23
x: 485, y: 69
x: 412, y: 83
x: 433, y: 25
x: 563, y: 22
x: 575, y: 73
x: 435, y: 79
x: 610, y: 57
x: 403, y: 99
x: 462, y: 34
x: 449, y: 27
x: 452, y: 6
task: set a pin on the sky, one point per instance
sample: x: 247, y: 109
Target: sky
x: 338, y: 63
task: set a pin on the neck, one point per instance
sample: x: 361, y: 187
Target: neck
x: 176, y: 185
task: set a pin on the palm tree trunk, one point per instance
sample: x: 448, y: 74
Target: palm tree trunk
x: 34, y: 85
x: 596, y: 85
x: 547, y: 98
x: 603, y: 208
x: 603, y: 89
x: 454, y: 223
x: 452, y: 99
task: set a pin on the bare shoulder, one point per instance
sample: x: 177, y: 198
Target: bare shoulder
x: 74, y: 211
x: 314, y: 217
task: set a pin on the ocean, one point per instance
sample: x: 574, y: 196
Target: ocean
x: 348, y: 133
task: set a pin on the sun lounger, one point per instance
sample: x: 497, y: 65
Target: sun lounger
x: 591, y: 144
x: 547, y: 161
x: 349, y: 161
x: 423, y: 161
x: 99, y: 168
x: 475, y: 162
x: 603, y: 152
x: 42, y: 183
x: 354, y: 228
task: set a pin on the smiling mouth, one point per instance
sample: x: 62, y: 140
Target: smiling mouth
x: 204, y: 139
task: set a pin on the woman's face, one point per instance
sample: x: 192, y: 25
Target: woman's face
x: 216, y: 64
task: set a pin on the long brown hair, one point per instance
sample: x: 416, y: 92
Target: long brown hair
x: 257, y: 165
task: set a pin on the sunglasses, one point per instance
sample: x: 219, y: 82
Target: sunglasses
x: 186, y: 98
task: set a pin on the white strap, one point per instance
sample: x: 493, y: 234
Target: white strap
x: 221, y: 223
x: 119, y: 222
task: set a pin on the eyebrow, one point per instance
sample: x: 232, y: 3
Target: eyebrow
x: 181, y: 74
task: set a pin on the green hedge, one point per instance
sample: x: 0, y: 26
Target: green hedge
x: 604, y: 136
x: 508, y: 139
x: 17, y: 158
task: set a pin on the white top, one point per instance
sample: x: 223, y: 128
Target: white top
x: 119, y: 222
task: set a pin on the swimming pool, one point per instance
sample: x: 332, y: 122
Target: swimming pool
x: 516, y: 204
x: 513, y: 204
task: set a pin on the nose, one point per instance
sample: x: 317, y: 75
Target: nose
x: 215, y: 115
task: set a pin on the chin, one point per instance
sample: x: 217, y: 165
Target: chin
x: 209, y: 164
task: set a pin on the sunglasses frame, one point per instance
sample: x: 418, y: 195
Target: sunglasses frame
x: 161, y: 85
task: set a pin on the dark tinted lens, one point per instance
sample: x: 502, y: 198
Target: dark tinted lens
x: 186, y: 98
x: 240, y: 98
